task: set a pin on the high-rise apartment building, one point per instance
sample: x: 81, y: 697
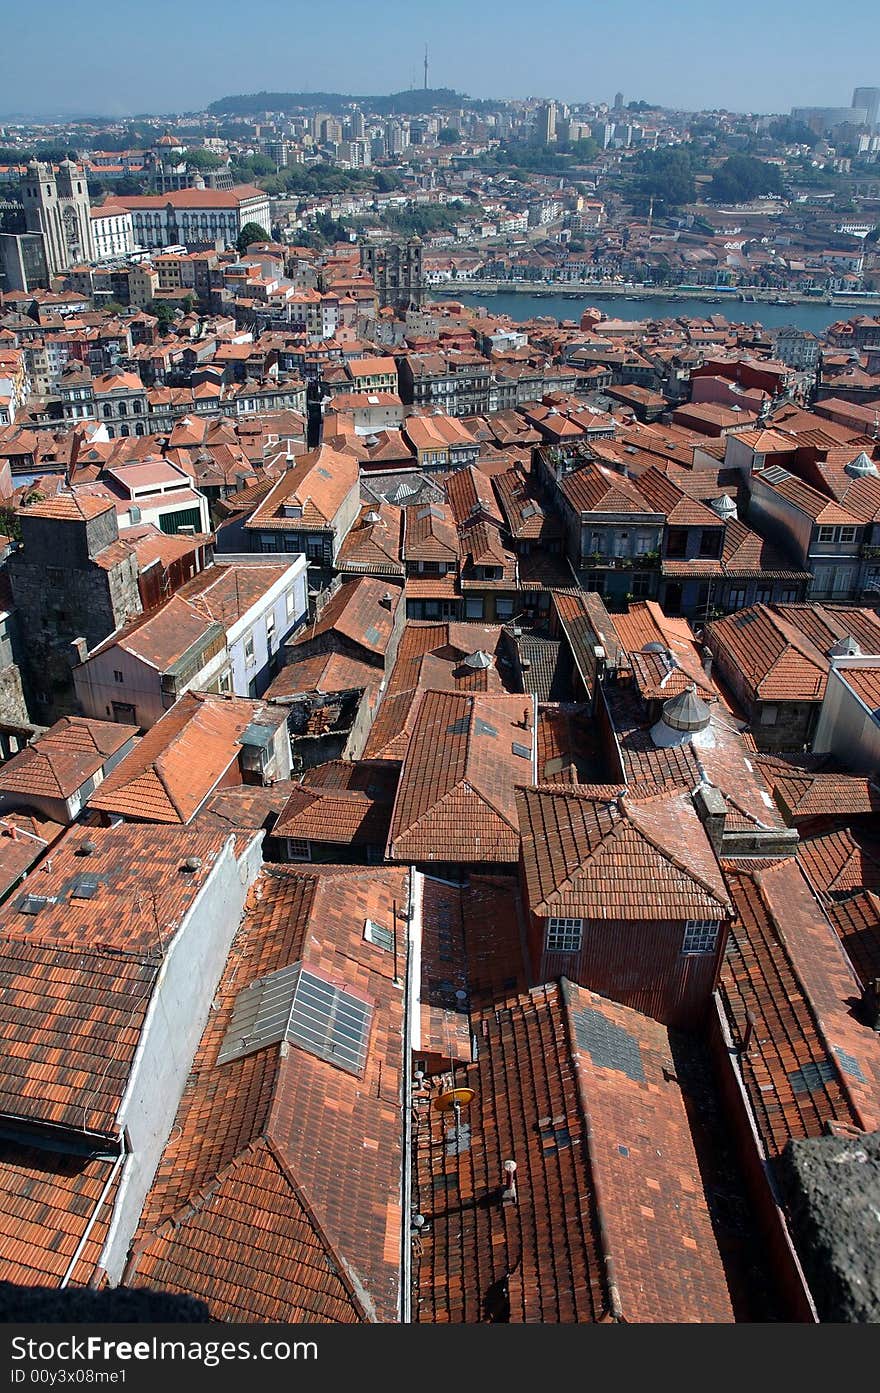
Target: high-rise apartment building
x: 867, y: 99
x: 547, y: 123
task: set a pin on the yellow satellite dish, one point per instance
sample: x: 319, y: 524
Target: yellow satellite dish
x: 445, y: 1102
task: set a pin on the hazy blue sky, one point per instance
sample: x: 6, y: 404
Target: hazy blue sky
x: 167, y: 56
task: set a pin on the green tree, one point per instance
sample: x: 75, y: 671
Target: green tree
x: 448, y: 135
x: 164, y: 314
x: 251, y: 232
x: 202, y: 159
x: 742, y: 178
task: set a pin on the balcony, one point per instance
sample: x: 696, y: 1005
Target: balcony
x: 597, y: 560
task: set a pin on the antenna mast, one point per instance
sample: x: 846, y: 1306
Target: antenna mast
x: 426, y: 67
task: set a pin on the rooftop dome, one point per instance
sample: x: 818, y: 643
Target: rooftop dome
x: 860, y: 467
x: 684, y: 716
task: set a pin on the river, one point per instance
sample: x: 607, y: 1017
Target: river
x: 522, y: 305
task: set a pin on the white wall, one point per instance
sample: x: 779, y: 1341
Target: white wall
x: 175, y: 1020
x: 846, y: 727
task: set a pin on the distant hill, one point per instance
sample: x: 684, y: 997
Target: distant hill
x: 411, y: 103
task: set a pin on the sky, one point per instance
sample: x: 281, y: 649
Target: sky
x: 167, y: 57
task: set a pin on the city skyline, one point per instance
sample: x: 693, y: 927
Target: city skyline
x: 678, y: 67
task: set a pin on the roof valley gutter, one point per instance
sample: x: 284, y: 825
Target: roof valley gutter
x: 411, y: 1042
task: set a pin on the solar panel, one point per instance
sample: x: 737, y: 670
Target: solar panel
x: 330, y: 1023
x: 298, y: 1006
x: 608, y: 1045
x: 811, y: 1076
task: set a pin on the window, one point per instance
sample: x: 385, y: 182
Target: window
x: 117, y: 675
x: 225, y: 682
x: 736, y: 599
x: 249, y: 649
x: 847, y: 534
x: 641, y: 587
x: 710, y: 542
x: 379, y: 935
x: 763, y: 594
x: 769, y: 715
x: 298, y: 849
x: 644, y: 543
x: 290, y: 602
x: 503, y: 609
x: 701, y: 935
x: 826, y: 534
x: 270, y: 628
x: 676, y: 541
x: 596, y: 583
x: 473, y: 607
x: 564, y: 935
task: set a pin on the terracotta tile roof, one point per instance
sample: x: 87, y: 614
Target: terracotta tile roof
x: 249, y: 1247
x: 71, y: 751
x: 856, y: 921
x: 808, y: 1061
x: 864, y: 680
x: 429, y: 533
x: 746, y: 555
x: 70, y: 1022
x: 433, y: 587
x: 225, y: 592
x: 455, y: 797
x: 804, y: 497
x: 318, y: 484
x: 141, y: 895
x: 356, y: 610
x: 180, y: 760
x: 18, y: 850
x: 808, y: 795
x: 623, y: 858
x: 373, y: 546
x: 161, y: 637
x: 604, y: 1225
x: 841, y: 861
x: 824, y: 625
x: 470, y: 495
x: 218, y: 1218
x: 775, y: 659
x: 78, y: 507
x: 49, y: 1207
x: 430, y: 655
x: 244, y: 806
x: 526, y: 518
x: 355, y: 816
x: 595, y: 489
x: 679, y: 509
x: 322, y: 672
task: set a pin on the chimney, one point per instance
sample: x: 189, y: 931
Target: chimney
x: 508, y: 1192
x: 385, y: 601
x: 80, y: 649
x: 707, y: 661
x: 712, y: 812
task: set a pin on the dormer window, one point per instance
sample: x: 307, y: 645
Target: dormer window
x: 291, y: 510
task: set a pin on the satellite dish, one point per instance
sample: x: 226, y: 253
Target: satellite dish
x: 453, y: 1098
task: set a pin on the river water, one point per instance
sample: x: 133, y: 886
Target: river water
x: 522, y: 306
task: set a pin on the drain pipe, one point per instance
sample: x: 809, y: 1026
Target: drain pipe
x: 94, y: 1215
x: 411, y: 1037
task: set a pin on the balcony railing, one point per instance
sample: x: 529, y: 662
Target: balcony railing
x: 597, y: 560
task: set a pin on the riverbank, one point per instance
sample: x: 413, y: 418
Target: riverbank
x: 522, y: 305
x: 709, y: 295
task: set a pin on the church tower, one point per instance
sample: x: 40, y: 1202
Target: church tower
x: 59, y: 209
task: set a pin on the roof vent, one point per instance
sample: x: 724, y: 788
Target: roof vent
x: 479, y: 661
x: 861, y: 467
x: 723, y: 506
x: 372, y: 516
x: 844, y: 648
x: 192, y: 863
x: 87, y: 848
